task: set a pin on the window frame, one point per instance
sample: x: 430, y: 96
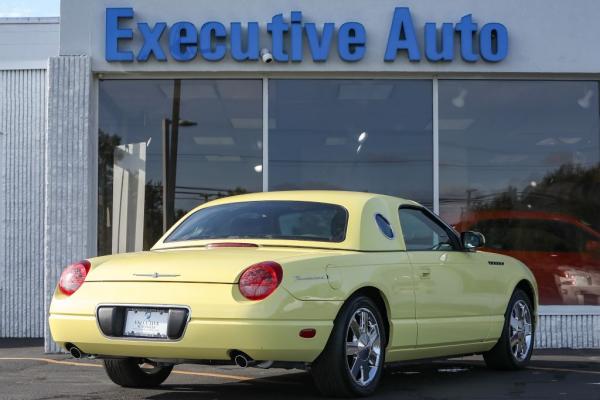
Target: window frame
x: 453, y: 235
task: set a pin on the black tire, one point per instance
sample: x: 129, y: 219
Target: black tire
x: 127, y: 372
x: 331, y: 372
x: 501, y: 356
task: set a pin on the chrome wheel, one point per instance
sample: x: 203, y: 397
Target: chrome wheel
x: 363, y: 347
x: 520, y: 329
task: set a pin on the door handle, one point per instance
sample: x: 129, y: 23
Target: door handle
x: 425, y: 273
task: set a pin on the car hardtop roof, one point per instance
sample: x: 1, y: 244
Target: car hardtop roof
x: 362, y: 232
x: 339, y: 197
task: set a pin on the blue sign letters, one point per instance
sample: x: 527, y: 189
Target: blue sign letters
x: 114, y: 33
x: 292, y: 38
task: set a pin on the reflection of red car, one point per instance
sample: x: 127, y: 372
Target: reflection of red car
x: 562, y: 252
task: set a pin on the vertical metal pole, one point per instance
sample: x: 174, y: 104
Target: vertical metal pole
x: 174, y: 148
x: 165, y: 172
x: 265, y: 135
x: 436, y: 148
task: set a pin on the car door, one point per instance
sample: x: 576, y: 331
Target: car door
x: 457, y: 293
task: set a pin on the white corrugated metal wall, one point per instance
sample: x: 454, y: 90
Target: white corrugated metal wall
x: 22, y: 149
x: 71, y: 171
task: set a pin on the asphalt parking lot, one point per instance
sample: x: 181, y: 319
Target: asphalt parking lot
x: 27, y: 373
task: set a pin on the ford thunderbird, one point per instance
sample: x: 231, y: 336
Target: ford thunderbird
x: 338, y: 283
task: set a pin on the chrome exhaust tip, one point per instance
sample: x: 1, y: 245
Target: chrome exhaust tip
x: 75, y: 352
x: 242, y: 360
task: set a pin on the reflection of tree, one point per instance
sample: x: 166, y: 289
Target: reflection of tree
x: 153, y: 205
x: 570, y: 189
x: 507, y: 200
x: 236, y: 191
x: 153, y: 202
x: 106, y: 151
x: 153, y: 214
x: 202, y: 195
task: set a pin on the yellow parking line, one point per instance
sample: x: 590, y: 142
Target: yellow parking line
x: 50, y: 361
x: 579, y: 371
x: 214, y: 375
x: 80, y: 364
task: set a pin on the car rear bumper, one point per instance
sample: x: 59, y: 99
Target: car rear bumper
x: 202, y: 340
x: 220, y: 321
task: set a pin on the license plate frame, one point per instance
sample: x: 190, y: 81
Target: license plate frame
x: 146, y: 323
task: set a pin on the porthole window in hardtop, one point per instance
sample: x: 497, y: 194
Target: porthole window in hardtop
x: 384, y: 226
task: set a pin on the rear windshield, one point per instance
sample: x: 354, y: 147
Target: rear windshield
x: 291, y: 220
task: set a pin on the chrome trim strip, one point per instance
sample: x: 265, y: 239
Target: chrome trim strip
x: 157, y: 275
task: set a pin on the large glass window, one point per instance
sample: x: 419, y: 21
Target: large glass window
x: 362, y: 135
x: 519, y: 161
x: 203, y: 138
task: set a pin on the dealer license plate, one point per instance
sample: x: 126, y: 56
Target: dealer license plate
x: 146, y: 322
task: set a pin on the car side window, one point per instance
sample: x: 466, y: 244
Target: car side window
x: 422, y: 233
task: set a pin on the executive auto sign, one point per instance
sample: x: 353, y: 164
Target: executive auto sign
x: 213, y: 40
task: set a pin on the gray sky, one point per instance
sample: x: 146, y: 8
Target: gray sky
x: 29, y: 8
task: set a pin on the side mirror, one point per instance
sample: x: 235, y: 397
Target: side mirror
x: 472, y: 240
x: 592, y: 246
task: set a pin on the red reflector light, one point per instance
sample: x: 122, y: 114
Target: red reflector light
x: 260, y: 280
x: 308, y: 333
x: 230, y: 244
x: 73, y: 277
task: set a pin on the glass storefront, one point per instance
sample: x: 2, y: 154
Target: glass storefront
x: 519, y: 160
x: 363, y: 135
x: 218, y: 142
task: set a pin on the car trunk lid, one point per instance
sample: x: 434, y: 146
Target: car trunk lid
x: 202, y: 265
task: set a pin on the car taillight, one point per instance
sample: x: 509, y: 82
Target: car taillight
x: 73, y: 276
x: 260, y: 280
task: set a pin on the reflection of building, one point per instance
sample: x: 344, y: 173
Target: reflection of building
x: 129, y: 196
x: 84, y: 169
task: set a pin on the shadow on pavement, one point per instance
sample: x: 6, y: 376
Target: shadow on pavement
x: 289, y: 386
x: 436, y: 380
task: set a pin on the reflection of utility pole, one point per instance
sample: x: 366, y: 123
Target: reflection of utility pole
x: 172, y: 177
x: 469, y: 193
x: 168, y: 208
x: 170, y: 132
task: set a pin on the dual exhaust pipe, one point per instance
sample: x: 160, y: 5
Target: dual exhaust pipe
x: 240, y: 359
x: 243, y: 360
x: 77, y: 353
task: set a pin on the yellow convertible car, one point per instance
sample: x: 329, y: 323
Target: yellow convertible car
x: 338, y: 283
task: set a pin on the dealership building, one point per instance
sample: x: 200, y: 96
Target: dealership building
x: 122, y: 115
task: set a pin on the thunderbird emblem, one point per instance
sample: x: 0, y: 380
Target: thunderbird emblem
x: 157, y: 275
